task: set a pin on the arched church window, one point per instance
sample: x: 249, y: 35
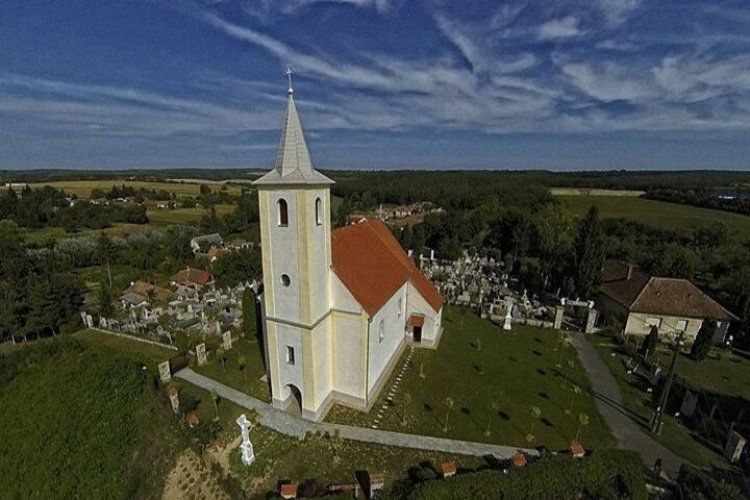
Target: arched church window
x: 381, y: 331
x: 283, y: 213
x: 318, y: 212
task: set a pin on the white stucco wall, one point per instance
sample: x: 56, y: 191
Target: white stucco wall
x: 288, y: 374
x: 319, y: 250
x: 348, y: 334
x: 381, y: 351
x: 322, y: 367
x: 416, y: 304
x: 341, y: 298
x: 637, y: 324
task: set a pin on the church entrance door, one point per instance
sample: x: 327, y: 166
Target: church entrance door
x: 295, y: 408
x: 417, y: 334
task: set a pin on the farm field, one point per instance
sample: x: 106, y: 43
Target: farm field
x: 566, y: 191
x: 658, y: 213
x: 493, y: 378
x: 82, y: 189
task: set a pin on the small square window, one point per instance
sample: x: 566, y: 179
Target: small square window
x: 290, y: 354
x: 682, y: 325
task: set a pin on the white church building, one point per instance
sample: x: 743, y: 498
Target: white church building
x: 339, y: 307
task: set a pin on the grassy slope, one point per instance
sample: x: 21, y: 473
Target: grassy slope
x: 80, y: 422
x: 519, y: 371
x: 659, y: 213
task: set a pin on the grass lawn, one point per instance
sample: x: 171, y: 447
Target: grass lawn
x: 327, y: 460
x: 166, y: 216
x: 659, y: 213
x: 150, y: 354
x: 247, y: 380
x: 495, y: 385
x: 82, y: 189
x: 710, y: 374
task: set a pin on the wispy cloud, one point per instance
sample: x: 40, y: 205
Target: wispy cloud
x: 617, y: 11
x: 565, y: 27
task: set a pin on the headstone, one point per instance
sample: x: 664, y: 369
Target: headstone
x: 735, y: 445
x: 200, y: 354
x: 165, y: 374
x: 508, y: 314
x: 689, y: 403
x: 174, y: 400
x: 559, y: 314
x: 246, y: 448
x: 218, y: 327
x: 102, y: 322
x: 227, y: 340
x: 591, y: 321
x: 89, y: 321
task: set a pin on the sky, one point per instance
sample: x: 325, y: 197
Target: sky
x: 379, y: 84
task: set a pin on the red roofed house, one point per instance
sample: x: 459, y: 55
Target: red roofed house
x: 339, y: 306
x: 639, y: 301
x: 193, y: 278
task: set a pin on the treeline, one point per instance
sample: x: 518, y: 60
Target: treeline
x: 701, y: 198
x: 38, y: 296
x: 137, y: 194
x: 47, y: 206
x: 242, y: 220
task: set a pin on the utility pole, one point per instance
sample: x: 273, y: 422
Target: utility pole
x: 656, y: 423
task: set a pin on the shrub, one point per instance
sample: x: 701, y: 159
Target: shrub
x: 697, y: 485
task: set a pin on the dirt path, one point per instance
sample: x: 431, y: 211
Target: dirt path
x: 191, y: 479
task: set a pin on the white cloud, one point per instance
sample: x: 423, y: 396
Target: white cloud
x: 559, y: 28
x: 617, y: 11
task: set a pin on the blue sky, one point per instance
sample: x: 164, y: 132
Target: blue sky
x: 380, y: 84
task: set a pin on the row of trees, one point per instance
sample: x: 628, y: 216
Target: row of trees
x: 47, y: 206
x: 702, y: 198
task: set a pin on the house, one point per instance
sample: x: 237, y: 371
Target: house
x: 141, y: 293
x: 215, y: 253
x: 339, y: 307
x: 638, y: 301
x: 202, y: 243
x: 190, y: 277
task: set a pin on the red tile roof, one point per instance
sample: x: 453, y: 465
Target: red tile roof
x: 192, y: 276
x: 373, y: 266
x: 416, y: 320
x: 641, y: 292
x: 144, y: 289
x: 448, y: 469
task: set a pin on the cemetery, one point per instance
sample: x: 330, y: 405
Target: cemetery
x: 492, y: 385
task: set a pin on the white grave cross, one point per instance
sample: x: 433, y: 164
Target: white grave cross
x: 248, y: 456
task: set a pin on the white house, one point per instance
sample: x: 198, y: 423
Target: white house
x: 339, y: 306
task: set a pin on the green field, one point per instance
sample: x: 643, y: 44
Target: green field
x: 82, y: 422
x: 492, y: 387
x: 658, y: 213
x: 82, y: 189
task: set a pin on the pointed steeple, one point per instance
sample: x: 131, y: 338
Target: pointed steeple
x: 293, y: 163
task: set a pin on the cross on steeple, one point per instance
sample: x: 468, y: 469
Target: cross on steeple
x: 289, y: 72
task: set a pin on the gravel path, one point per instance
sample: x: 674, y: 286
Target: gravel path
x: 297, y: 427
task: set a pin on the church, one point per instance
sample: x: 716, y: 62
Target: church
x: 338, y: 306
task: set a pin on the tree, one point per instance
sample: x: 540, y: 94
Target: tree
x: 449, y: 404
x: 220, y: 353
x: 588, y: 253
x: 104, y: 299
x: 249, y: 316
x: 215, y: 399
x: 702, y: 344
x: 407, y: 401
x: 649, y: 345
x: 241, y: 361
x: 583, y: 419
x: 536, y: 412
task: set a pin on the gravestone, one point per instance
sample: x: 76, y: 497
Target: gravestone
x: 559, y: 314
x: 218, y: 327
x: 689, y: 403
x: 200, y: 354
x: 248, y: 455
x: 227, y: 340
x: 591, y: 321
x: 174, y: 400
x: 735, y: 445
x: 165, y: 374
x: 508, y: 314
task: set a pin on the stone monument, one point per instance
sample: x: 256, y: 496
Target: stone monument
x: 591, y: 321
x: 508, y: 313
x: 227, y: 340
x: 246, y: 448
x: 200, y: 354
x: 559, y: 313
x: 165, y: 374
x: 174, y: 399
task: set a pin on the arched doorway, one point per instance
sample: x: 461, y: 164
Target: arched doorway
x: 295, y: 405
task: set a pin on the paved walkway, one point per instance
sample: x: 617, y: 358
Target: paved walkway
x: 621, y: 421
x: 294, y: 426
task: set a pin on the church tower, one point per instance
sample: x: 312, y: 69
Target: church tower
x: 294, y: 203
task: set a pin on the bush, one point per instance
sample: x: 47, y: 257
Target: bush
x: 697, y: 485
x: 606, y: 474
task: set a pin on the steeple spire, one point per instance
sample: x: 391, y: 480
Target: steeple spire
x: 293, y: 163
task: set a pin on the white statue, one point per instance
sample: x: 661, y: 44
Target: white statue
x: 508, y: 313
x: 248, y: 456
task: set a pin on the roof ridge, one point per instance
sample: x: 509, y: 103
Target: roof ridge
x: 640, y: 293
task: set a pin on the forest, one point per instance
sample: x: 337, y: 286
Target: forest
x: 702, y: 198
